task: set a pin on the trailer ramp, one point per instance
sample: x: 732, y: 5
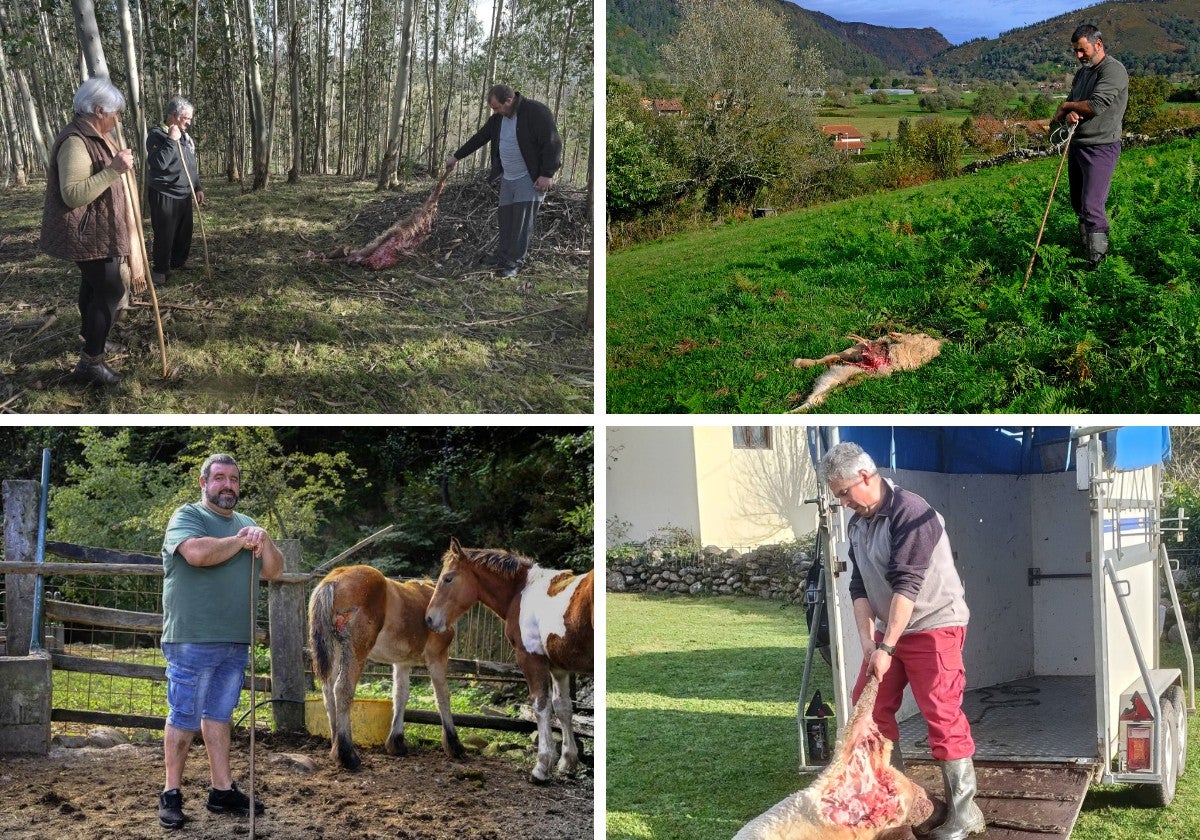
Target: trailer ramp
x: 1020, y: 801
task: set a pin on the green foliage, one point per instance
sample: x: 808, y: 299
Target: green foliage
x: 880, y: 97
x: 636, y: 175
x: 990, y: 101
x: 1147, y: 94
x: 109, y: 500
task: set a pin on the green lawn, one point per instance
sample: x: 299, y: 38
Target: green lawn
x: 709, y: 321
x: 701, y: 724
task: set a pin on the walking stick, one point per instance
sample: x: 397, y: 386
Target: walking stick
x: 253, y: 705
x: 199, y: 215
x: 133, y: 196
x: 1042, y: 229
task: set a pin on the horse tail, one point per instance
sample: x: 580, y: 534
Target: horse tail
x: 321, y: 629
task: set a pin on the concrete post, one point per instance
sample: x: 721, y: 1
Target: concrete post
x: 20, y: 545
x: 286, y: 609
x: 25, y: 702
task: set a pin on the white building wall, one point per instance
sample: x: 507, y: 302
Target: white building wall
x: 651, y: 480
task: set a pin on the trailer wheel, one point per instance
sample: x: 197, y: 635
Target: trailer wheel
x: 1179, y: 726
x: 1160, y: 794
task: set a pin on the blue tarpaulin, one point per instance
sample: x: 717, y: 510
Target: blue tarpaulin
x: 1009, y: 450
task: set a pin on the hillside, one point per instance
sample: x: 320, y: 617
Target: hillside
x: 637, y: 29
x: 1157, y: 37
x: 710, y: 321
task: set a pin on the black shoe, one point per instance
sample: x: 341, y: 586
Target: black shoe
x: 231, y: 801
x: 507, y: 271
x: 170, y: 809
x: 92, y: 369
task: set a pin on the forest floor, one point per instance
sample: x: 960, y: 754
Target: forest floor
x: 93, y: 793
x: 275, y: 331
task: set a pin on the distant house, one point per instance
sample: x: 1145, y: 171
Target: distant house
x: 927, y: 89
x: 846, y: 138
x: 667, y: 107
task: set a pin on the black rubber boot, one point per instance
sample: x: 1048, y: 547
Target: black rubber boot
x: 964, y: 818
x: 93, y: 369
x: 1097, y: 248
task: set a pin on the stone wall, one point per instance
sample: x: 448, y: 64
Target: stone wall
x: 771, y: 572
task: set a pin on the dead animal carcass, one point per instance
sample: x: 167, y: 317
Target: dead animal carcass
x: 859, y: 796
x: 869, y: 357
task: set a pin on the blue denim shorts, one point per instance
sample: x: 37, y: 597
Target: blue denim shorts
x: 203, y: 681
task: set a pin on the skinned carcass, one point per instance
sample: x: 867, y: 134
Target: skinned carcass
x: 869, y: 357
x: 859, y: 796
x: 400, y: 240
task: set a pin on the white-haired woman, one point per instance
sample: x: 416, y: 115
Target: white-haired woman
x: 85, y: 218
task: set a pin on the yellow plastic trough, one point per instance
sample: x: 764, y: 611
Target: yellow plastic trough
x: 370, y: 719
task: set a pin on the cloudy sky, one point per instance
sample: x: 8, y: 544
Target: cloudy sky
x: 959, y: 22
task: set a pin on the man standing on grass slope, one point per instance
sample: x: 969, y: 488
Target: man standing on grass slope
x: 1095, y: 106
x: 526, y: 152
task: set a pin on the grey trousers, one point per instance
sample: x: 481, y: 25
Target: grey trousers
x: 516, y: 218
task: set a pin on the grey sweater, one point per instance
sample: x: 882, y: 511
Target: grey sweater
x: 903, y: 549
x: 1106, y: 89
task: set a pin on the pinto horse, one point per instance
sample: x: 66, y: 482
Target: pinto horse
x: 356, y: 614
x: 548, y: 617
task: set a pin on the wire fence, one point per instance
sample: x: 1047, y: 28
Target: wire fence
x: 480, y: 636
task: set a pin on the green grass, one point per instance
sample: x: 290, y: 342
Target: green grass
x: 701, y: 713
x: 710, y: 321
x: 702, y: 724
x: 277, y: 333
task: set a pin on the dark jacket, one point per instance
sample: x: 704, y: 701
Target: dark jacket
x: 164, y: 170
x: 537, y: 137
x: 1106, y: 89
x: 96, y: 231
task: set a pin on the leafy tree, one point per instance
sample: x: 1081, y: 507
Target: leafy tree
x: 990, y: 101
x: 1147, y: 95
x: 880, y: 97
x: 934, y: 103
x: 638, y: 174
x: 746, y: 87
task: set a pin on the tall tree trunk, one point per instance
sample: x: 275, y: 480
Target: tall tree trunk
x: 589, y: 315
x: 146, y: 31
x: 16, y: 152
x: 387, y: 167
x: 88, y: 34
x: 195, y: 44
x: 343, y: 131
x: 562, y: 67
x: 321, y: 155
x: 233, y: 168
x: 435, y: 125
x: 294, y: 73
x: 274, y: 80
x: 28, y: 102
x: 260, y: 147
x: 135, y: 90
x: 489, y: 73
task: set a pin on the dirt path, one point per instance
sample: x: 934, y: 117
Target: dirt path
x: 111, y: 794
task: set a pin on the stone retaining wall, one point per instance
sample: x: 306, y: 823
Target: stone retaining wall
x: 771, y: 572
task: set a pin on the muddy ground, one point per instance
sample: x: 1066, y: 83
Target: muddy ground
x: 111, y: 793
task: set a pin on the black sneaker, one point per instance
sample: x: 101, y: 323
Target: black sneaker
x: 170, y: 809
x: 231, y: 801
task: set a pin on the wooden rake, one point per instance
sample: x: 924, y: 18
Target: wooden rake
x: 1046, y: 215
x: 132, y: 195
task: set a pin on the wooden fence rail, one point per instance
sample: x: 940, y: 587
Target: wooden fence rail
x: 288, y: 683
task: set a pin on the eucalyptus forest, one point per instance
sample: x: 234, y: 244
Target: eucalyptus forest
x: 319, y: 125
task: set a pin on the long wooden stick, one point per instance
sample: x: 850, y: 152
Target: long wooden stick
x: 133, y: 196
x: 199, y: 215
x: 1046, y: 215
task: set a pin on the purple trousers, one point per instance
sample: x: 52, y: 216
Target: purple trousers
x: 1090, y: 171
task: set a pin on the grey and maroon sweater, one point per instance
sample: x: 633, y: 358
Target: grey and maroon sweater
x: 903, y: 549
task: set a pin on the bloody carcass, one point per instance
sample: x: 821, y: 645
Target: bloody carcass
x: 859, y: 796
x: 869, y: 357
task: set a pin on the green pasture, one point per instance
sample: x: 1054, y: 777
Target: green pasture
x: 701, y: 724
x: 868, y: 117
x: 710, y: 321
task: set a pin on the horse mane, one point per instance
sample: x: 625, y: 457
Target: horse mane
x: 497, y: 560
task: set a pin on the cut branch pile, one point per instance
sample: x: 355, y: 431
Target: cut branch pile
x: 464, y: 237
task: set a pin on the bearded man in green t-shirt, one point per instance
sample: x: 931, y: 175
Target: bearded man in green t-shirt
x: 208, y: 553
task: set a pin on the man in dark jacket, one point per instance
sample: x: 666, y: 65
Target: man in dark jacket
x: 1095, y: 106
x: 526, y: 152
x: 169, y: 149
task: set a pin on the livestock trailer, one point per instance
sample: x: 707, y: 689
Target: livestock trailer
x: 1057, y: 535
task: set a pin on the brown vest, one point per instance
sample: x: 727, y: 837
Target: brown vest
x: 94, y: 231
